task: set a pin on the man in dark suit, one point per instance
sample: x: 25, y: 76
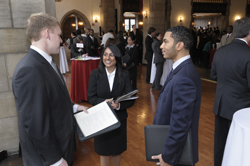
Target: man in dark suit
x: 44, y: 109
x: 138, y: 41
x: 158, y: 60
x: 180, y: 97
x: 231, y: 70
x: 91, y: 44
x: 149, y: 51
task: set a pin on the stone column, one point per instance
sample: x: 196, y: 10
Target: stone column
x: 13, y: 46
x: 108, y: 15
x: 155, y: 18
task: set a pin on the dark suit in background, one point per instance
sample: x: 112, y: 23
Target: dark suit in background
x: 138, y: 43
x: 133, y: 53
x: 148, y: 56
x: 92, y: 46
x: 44, y: 111
x: 231, y: 70
x: 114, y: 142
x: 179, y: 106
x: 75, y: 52
x: 159, y: 62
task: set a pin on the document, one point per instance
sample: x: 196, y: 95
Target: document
x: 98, y: 118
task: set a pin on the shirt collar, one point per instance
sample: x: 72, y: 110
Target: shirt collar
x: 110, y: 74
x: 149, y: 35
x: 179, y: 61
x: 242, y: 40
x: 130, y: 46
x: 44, y: 54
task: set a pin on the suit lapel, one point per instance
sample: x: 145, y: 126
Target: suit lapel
x: 51, y: 71
x: 116, y: 82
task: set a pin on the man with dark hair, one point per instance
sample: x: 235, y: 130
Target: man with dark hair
x: 227, y: 38
x: 91, y: 44
x: 138, y: 41
x: 180, y: 97
x: 44, y: 109
x: 231, y: 70
x: 149, y: 51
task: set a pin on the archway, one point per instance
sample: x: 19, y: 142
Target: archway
x: 79, y: 15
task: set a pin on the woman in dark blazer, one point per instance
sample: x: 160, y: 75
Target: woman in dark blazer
x: 107, y: 83
x: 132, y: 51
x: 75, y: 52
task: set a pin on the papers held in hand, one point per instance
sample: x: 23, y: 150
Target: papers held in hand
x: 100, y: 119
x: 127, y: 96
x: 79, y: 45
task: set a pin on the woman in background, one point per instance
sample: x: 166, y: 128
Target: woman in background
x: 77, y: 51
x: 107, y: 83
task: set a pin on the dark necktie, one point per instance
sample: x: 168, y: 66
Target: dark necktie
x: 53, y: 64
x: 227, y: 37
x: 169, y: 73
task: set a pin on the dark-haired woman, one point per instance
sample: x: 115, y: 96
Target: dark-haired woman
x: 106, y: 83
x: 131, y: 65
x: 78, y: 51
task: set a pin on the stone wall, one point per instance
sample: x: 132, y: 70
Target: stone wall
x: 13, y: 46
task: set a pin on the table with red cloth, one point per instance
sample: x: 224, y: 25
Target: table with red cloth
x: 212, y: 52
x: 80, y: 72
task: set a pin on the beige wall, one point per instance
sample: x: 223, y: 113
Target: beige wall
x: 237, y: 8
x: 180, y: 8
x: 90, y: 8
x: 13, y: 46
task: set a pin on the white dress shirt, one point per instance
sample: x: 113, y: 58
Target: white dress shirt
x: 242, y: 40
x: 179, y: 61
x: 106, y: 36
x: 49, y: 59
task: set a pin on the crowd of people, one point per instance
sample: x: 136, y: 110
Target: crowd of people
x: 45, y: 112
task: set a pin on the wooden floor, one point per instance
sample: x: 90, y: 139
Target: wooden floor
x: 142, y: 114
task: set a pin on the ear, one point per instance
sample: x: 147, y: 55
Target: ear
x: 179, y: 46
x: 46, y: 33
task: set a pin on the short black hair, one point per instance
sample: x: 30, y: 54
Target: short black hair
x: 78, y: 32
x: 182, y: 34
x: 241, y: 27
x: 111, y: 31
x: 151, y: 30
x: 133, y: 25
x: 73, y: 33
x: 132, y: 37
x: 157, y: 34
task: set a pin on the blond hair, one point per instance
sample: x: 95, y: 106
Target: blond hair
x: 38, y: 22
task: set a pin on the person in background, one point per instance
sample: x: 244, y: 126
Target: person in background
x: 92, y: 44
x: 158, y: 60
x: 180, y: 98
x: 206, y: 53
x: 73, y: 36
x: 119, y: 41
x: 78, y: 51
x: 101, y: 36
x: 138, y: 41
x: 231, y: 70
x: 227, y: 38
x: 107, y: 83
x: 44, y: 109
x: 110, y: 34
x: 149, y: 51
x: 132, y: 51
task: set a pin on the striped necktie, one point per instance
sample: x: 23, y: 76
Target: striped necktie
x: 53, y: 64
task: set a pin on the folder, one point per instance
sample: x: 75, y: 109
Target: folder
x: 114, y: 126
x: 155, y: 138
x: 126, y: 96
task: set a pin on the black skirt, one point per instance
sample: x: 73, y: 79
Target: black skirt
x: 113, y: 142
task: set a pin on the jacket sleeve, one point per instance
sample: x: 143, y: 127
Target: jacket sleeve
x: 74, y: 52
x: 33, y: 109
x: 213, y: 73
x: 184, y: 99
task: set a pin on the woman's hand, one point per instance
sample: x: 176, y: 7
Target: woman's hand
x: 84, y: 55
x: 124, y: 64
x: 82, y: 108
x: 113, y: 104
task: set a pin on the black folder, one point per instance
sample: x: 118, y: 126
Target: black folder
x: 155, y: 138
x: 81, y: 136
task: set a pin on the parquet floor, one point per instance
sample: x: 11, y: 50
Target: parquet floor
x: 142, y: 114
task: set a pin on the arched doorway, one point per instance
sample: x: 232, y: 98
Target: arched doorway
x: 68, y: 22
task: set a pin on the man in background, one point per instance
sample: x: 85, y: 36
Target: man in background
x: 109, y: 34
x: 44, y: 109
x: 92, y: 44
x: 227, y: 38
x: 231, y: 70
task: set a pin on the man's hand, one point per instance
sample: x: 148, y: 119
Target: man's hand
x: 64, y: 163
x: 82, y: 108
x: 161, y: 160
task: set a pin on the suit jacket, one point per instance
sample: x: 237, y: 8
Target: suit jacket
x: 138, y: 37
x: 133, y: 53
x: 44, y: 111
x: 157, y: 50
x: 91, y: 46
x: 149, y: 50
x: 179, y: 106
x: 99, y: 90
x: 225, y: 41
x: 75, y: 51
x: 231, y: 70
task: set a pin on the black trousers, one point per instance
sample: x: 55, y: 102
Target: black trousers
x: 157, y: 80
x: 222, y: 126
x: 133, y: 77
x: 149, y: 61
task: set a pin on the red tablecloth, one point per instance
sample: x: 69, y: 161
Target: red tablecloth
x: 212, y: 52
x: 80, y: 72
